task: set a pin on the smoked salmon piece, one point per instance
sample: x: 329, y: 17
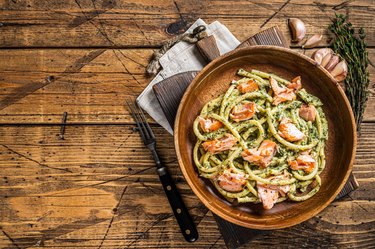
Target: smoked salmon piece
x: 231, y: 182
x: 268, y: 194
x: 296, y: 83
x: 249, y: 86
x: 289, y: 131
x: 221, y: 144
x: 283, y: 190
x: 243, y: 112
x: 275, y: 87
x: 307, y: 112
x: 303, y: 162
x: 282, y: 93
x: 261, y: 156
x: 288, y: 95
x: 209, y: 124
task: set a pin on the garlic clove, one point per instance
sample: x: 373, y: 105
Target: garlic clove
x: 341, y: 77
x: 318, y: 58
x: 319, y: 54
x: 340, y: 71
x: 332, y: 63
x: 339, y: 68
x: 326, y: 59
x: 313, y: 41
x: 297, y: 28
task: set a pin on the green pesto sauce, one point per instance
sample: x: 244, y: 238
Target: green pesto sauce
x: 250, y: 133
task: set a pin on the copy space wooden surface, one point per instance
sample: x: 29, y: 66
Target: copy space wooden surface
x: 98, y: 188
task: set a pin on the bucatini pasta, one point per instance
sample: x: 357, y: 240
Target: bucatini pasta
x: 262, y: 141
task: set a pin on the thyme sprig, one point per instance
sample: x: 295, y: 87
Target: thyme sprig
x: 352, y: 47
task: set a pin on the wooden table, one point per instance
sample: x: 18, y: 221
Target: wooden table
x: 97, y: 187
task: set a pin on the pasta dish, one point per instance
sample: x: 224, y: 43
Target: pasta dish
x: 262, y: 141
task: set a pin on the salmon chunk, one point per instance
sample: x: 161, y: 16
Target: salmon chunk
x: 296, y: 83
x: 275, y: 87
x: 249, y: 86
x: 307, y: 112
x: 303, y: 162
x: 268, y: 194
x: 221, y: 144
x: 209, y: 124
x: 243, y: 112
x: 288, y: 95
x: 282, y: 93
x: 231, y: 182
x: 261, y: 156
x: 289, y: 131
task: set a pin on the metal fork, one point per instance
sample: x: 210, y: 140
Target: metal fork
x: 180, y: 211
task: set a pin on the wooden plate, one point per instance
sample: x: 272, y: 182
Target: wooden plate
x: 214, y: 80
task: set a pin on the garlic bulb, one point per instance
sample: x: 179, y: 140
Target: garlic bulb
x: 313, y: 41
x: 326, y: 58
x: 297, y: 28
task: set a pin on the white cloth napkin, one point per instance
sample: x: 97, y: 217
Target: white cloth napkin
x: 183, y: 57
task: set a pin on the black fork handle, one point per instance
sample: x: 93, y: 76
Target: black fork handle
x: 180, y: 211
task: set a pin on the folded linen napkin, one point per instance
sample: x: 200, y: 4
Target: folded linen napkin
x: 183, y: 57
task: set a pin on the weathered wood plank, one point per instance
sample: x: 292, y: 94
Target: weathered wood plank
x: 105, y: 153
x: 84, y: 23
x: 37, y: 86
x: 60, y: 80
x: 98, y: 187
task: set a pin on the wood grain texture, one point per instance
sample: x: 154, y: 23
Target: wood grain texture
x: 100, y: 184
x: 108, y: 23
x: 208, y: 48
x: 169, y: 93
x: 271, y: 36
x: 90, y: 91
x: 97, y: 188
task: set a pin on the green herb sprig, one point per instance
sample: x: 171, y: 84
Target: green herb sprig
x: 352, y: 47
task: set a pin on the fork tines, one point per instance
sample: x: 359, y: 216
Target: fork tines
x: 141, y: 121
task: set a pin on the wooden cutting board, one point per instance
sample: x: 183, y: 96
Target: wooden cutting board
x: 169, y: 93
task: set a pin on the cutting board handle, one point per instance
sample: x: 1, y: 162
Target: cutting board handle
x: 271, y: 36
x: 208, y: 48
